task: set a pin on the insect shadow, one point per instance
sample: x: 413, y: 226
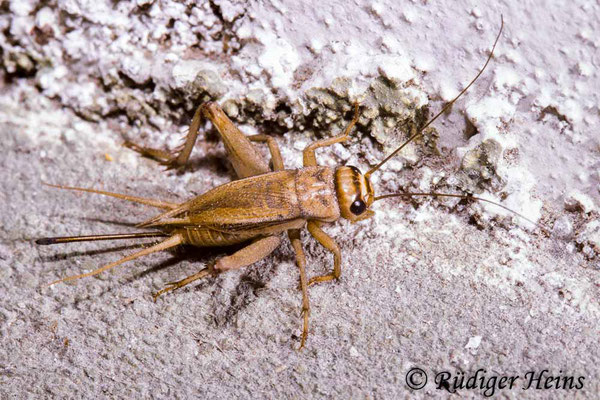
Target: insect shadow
x: 229, y: 303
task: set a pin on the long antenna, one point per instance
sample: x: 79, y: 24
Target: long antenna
x: 460, y: 196
x: 443, y: 110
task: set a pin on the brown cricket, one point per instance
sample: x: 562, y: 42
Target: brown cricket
x: 261, y: 205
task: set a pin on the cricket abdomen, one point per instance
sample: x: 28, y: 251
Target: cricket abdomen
x: 205, y: 237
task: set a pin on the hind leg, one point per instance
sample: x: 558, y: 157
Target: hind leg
x: 180, y: 156
x: 244, y: 157
x: 250, y: 254
x: 203, y: 273
x: 172, y: 241
x: 276, y: 158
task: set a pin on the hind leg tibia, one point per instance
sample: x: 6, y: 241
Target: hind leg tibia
x: 186, y: 281
x: 172, y: 241
x: 180, y: 156
x: 244, y: 157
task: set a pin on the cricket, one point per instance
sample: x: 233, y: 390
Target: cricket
x: 264, y: 203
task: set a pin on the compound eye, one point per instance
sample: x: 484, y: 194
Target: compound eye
x: 358, y: 207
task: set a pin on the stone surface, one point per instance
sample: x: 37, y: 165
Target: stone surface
x: 438, y: 284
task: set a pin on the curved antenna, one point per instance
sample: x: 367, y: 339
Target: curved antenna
x: 460, y: 196
x: 443, y: 110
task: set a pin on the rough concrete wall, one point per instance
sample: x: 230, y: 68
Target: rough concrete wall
x: 431, y: 283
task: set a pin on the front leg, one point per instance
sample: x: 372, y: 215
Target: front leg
x: 314, y: 227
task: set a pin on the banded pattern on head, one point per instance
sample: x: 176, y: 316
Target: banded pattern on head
x: 354, y: 193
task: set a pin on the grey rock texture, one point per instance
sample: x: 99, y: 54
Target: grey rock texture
x: 437, y: 284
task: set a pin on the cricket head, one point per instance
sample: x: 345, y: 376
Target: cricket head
x: 354, y: 192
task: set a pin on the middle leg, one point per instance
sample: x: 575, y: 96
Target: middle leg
x: 294, y: 235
